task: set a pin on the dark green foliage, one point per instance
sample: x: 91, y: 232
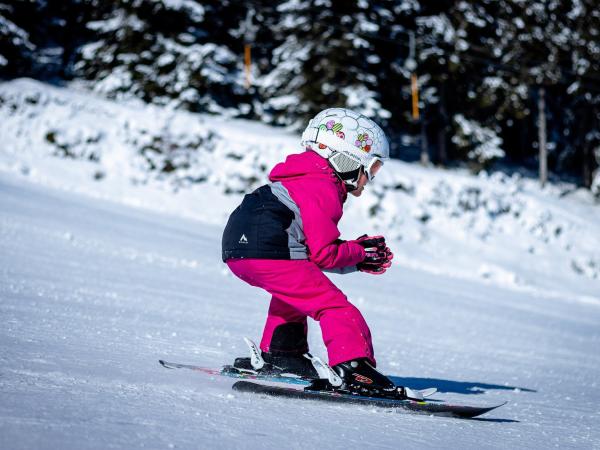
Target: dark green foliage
x: 16, y: 48
x: 164, y: 52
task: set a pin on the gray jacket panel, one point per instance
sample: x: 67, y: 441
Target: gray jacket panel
x: 296, y: 238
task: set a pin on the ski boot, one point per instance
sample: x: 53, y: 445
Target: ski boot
x: 359, y: 377
x: 285, y: 356
x: 276, y: 363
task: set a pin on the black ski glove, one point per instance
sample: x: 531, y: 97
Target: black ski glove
x: 378, y: 256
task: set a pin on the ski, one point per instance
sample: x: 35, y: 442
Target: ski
x: 418, y: 407
x: 232, y: 372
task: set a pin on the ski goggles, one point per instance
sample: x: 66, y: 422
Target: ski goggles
x: 373, y: 168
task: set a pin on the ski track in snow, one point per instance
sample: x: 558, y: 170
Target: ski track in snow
x: 93, y: 293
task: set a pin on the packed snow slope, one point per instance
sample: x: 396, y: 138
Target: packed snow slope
x: 108, y: 264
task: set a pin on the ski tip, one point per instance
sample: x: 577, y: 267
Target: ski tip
x: 165, y: 364
x: 498, y: 406
x: 490, y: 408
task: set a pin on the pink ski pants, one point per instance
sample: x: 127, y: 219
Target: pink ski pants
x: 299, y: 289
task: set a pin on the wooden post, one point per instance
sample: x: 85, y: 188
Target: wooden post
x: 411, y: 64
x: 249, y: 35
x: 542, y: 137
x: 415, y: 96
x: 247, y: 64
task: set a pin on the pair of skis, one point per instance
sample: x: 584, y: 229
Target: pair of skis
x: 294, y: 387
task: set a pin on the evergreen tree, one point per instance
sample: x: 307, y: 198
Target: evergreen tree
x: 552, y: 45
x: 17, y: 50
x: 38, y: 37
x: 179, y: 53
x: 323, y: 60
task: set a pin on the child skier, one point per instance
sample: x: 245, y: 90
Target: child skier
x: 284, y: 234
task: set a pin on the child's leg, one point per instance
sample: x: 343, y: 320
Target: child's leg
x: 285, y: 329
x: 302, y: 286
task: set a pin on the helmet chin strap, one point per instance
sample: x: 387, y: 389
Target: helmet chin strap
x: 347, y: 170
x: 350, y: 179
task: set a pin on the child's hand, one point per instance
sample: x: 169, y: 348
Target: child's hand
x: 378, y: 255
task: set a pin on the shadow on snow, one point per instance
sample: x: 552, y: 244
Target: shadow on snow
x: 458, y: 387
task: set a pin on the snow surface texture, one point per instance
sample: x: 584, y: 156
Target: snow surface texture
x: 494, y: 294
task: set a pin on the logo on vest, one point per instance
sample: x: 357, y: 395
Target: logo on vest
x: 243, y: 239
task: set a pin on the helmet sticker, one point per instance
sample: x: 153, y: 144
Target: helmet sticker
x: 334, y: 127
x: 364, y: 142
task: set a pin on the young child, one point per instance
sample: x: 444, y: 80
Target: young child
x: 284, y: 235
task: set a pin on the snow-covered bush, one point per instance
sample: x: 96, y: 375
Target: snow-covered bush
x: 147, y: 145
x: 77, y: 142
x: 471, y: 199
x: 177, y: 157
x: 140, y: 143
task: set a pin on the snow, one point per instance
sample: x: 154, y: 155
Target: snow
x: 117, y: 23
x: 439, y: 25
x: 100, y: 276
x: 197, y: 11
x: 362, y: 99
x: 19, y: 36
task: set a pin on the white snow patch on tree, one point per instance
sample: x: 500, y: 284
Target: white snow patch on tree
x: 483, y: 144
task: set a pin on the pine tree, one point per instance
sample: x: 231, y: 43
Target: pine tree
x: 38, y: 37
x: 16, y: 47
x: 178, y: 53
x: 322, y: 60
x: 553, y: 42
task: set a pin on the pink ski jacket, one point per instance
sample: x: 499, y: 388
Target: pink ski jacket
x: 294, y: 217
x: 320, y: 195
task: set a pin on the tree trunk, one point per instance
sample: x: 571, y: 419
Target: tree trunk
x: 425, y: 160
x: 441, y: 140
x: 542, y: 137
x: 443, y: 124
x: 588, y: 162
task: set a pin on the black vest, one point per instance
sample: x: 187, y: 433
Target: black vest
x: 257, y: 228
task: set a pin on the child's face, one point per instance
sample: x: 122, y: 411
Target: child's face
x: 363, y: 179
